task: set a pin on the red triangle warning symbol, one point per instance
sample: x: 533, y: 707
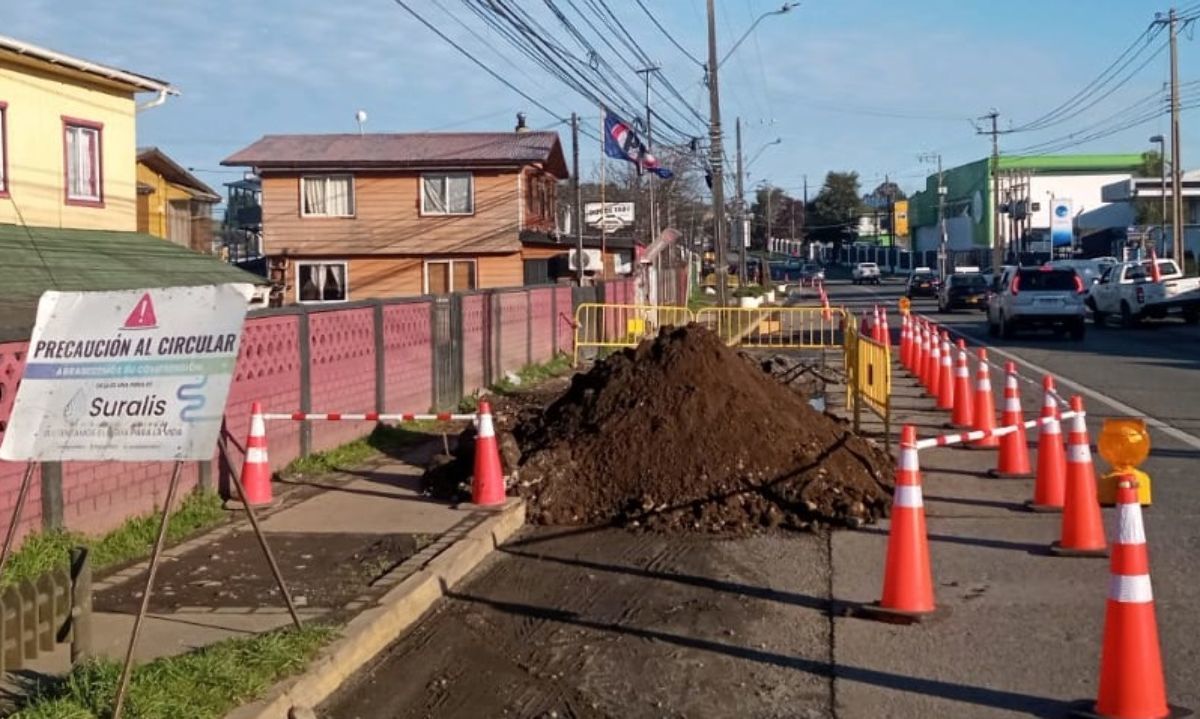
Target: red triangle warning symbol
x: 142, y: 317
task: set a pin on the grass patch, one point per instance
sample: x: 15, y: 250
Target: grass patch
x: 204, y: 684
x: 384, y: 438
x: 44, y: 551
x: 527, y: 376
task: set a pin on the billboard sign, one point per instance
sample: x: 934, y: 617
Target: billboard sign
x: 594, y: 213
x: 901, y: 210
x: 131, y: 375
x: 1062, y: 223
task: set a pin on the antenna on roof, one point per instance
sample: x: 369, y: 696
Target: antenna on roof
x: 361, y: 118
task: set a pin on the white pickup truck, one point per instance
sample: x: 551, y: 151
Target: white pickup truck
x: 1128, y: 291
x: 864, y: 272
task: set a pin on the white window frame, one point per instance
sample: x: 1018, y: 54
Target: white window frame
x: 449, y: 261
x: 345, y: 276
x: 446, y: 175
x: 326, y: 177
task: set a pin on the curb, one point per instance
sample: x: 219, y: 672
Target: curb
x: 372, y: 631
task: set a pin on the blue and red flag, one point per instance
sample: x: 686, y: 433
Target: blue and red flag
x: 622, y: 143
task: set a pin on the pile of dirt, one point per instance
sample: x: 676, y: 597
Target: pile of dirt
x: 682, y: 433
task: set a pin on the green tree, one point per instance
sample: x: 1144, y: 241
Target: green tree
x: 835, y: 210
x: 780, y: 205
x: 1149, y: 209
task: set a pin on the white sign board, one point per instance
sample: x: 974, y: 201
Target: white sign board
x: 1062, y: 223
x: 132, y: 376
x: 622, y: 211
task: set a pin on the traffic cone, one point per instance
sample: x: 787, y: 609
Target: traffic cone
x: 1082, y: 528
x: 1131, y: 672
x: 935, y: 365
x: 908, y: 575
x: 964, y: 402
x: 1014, y: 451
x: 945, y: 396
x: 487, y: 486
x: 918, y: 353
x: 885, y: 331
x: 826, y: 310
x: 256, y: 466
x: 1050, y: 487
x: 905, y: 345
x: 984, y: 410
x: 1155, y: 273
x: 877, y: 326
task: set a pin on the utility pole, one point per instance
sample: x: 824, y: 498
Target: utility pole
x: 891, y: 195
x: 741, y: 207
x: 653, y: 219
x: 804, y: 216
x: 770, y: 213
x: 715, y: 158
x: 578, y: 198
x: 1176, y: 162
x: 943, y: 240
x: 997, y: 244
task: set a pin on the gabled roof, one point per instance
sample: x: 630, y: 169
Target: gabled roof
x: 413, y: 150
x: 131, y: 80
x: 40, y: 259
x: 158, y: 161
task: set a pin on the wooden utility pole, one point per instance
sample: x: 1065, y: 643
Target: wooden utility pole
x: 1176, y: 162
x: 716, y: 154
x: 997, y: 235
x: 578, y: 199
x: 740, y: 218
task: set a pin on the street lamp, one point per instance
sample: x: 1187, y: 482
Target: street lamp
x: 784, y: 9
x: 761, y: 150
x: 1162, y: 186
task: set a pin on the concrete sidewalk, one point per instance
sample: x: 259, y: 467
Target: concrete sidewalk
x: 1022, y: 629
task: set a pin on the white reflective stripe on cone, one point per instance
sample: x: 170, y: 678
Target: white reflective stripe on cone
x: 908, y: 459
x: 258, y: 428
x: 485, y: 426
x: 1130, y: 589
x: 256, y: 455
x: 1078, y: 453
x: 1129, y: 528
x: 907, y: 495
x: 1051, y: 427
x: 962, y: 371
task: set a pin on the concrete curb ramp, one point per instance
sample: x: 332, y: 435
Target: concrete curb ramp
x: 372, y: 631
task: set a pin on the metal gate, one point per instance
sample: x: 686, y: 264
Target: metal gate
x: 447, y: 351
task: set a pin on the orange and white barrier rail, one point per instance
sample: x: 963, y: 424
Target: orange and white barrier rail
x: 962, y: 437
x: 370, y: 417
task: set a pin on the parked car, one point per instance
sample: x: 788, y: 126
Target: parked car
x: 812, y: 272
x: 864, y: 272
x: 1129, y: 291
x: 1037, y: 297
x: 1089, y: 270
x: 922, y: 282
x: 963, y: 290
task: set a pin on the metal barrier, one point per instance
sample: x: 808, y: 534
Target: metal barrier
x: 869, y: 379
x: 777, y: 327
x: 602, y: 325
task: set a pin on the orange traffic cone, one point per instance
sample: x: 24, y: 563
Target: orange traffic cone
x: 876, y: 325
x: 256, y: 466
x: 935, y: 365
x: 924, y: 359
x: 1131, y: 672
x: 964, y: 402
x: 908, y: 575
x: 984, y: 409
x: 487, y: 486
x: 945, y: 395
x: 885, y: 331
x: 1155, y: 272
x: 1082, y: 528
x: 1050, y: 487
x: 1014, y: 449
x: 826, y: 310
x: 918, y: 353
x: 905, y: 345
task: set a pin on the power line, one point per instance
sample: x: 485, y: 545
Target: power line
x: 668, y: 35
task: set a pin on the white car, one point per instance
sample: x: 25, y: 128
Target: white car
x: 864, y: 272
x: 1033, y: 297
x: 1128, y: 290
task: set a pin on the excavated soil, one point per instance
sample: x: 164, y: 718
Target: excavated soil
x: 684, y: 434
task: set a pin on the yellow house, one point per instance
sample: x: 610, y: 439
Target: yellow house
x: 172, y: 203
x: 67, y: 139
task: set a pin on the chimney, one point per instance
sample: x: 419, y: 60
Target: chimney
x: 521, y: 123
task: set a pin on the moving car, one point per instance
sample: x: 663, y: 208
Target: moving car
x: 1128, y: 290
x: 1033, y: 297
x: 922, y: 283
x: 1089, y: 270
x: 812, y: 272
x: 865, y: 272
x: 965, y: 289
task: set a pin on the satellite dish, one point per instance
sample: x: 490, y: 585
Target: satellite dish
x: 361, y: 118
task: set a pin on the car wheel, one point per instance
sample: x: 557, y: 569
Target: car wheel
x: 1007, y: 330
x: 1078, y: 329
x: 1191, y: 315
x: 1128, y: 319
x: 1099, y: 318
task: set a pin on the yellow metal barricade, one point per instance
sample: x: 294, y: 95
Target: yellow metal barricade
x: 776, y: 327
x: 612, y: 326
x: 869, y: 378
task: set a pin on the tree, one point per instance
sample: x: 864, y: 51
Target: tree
x: 836, y: 209
x: 885, y: 193
x: 1149, y: 209
x: 780, y: 204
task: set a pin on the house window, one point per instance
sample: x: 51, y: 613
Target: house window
x: 3, y: 149
x: 327, y: 196
x: 445, y: 276
x: 83, y: 161
x: 321, y: 282
x: 448, y: 194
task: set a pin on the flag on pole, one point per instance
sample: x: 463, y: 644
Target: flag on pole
x: 622, y: 143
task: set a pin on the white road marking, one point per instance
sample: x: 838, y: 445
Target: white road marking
x: 1152, y: 422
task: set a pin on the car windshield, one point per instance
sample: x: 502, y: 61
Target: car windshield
x: 867, y: 265
x: 1047, y: 280
x: 972, y: 281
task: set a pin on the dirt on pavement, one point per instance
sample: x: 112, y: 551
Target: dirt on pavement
x: 590, y: 623
x: 684, y: 434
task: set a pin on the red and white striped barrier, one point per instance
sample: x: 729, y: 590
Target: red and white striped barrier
x: 949, y: 439
x: 369, y: 417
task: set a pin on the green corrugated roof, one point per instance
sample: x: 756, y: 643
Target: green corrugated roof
x: 1072, y: 163
x: 37, y: 259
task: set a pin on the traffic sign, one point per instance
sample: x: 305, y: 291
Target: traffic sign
x: 905, y: 304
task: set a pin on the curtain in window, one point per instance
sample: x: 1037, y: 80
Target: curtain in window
x: 314, y: 196
x: 82, y: 160
x: 459, y: 191
x: 335, y: 283
x: 434, y: 191
x: 337, y: 196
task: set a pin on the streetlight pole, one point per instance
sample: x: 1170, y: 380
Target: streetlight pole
x: 943, y: 239
x: 715, y: 159
x: 741, y: 207
x: 787, y: 7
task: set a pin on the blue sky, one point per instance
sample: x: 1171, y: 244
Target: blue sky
x: 858, y: 85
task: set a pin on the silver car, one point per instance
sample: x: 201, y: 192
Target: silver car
x: 1037, y: 297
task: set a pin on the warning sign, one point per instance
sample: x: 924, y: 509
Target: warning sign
x: 139, y: 375
x: 905, y: 305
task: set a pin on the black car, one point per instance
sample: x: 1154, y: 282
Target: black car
x: 922, y: 283
x: 963, y: 290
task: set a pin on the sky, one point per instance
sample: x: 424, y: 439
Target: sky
x: 862, y: 85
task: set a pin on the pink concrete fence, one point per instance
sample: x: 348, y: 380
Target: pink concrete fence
x: 405, y: 355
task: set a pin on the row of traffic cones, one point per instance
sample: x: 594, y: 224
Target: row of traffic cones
x: 487, y: 482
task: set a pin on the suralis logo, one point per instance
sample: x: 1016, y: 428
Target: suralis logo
x: 149, y: 406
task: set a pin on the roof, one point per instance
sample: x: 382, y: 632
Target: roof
x: 39, y: 259
x: 403, y: 150
x: 1119, y: 162
x: 112, y: 74
x: 158, y: 161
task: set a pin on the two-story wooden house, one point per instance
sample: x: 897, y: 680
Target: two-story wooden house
x: 173, y: 203
x: 352, y: 216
